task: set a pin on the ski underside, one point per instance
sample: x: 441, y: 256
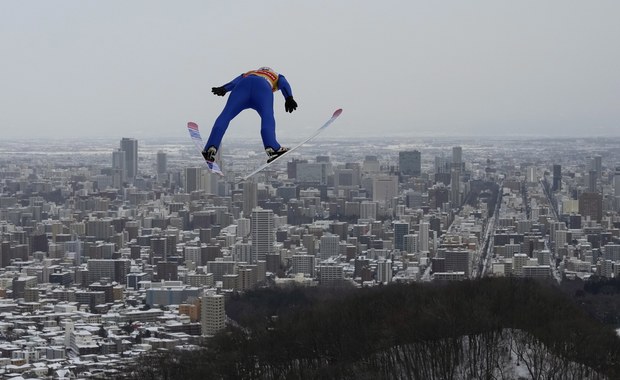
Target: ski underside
x: 194, y: 133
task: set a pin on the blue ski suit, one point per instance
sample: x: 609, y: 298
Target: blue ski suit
x: 254, y: 90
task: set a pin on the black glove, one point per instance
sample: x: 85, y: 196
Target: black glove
x: 290, y: 104
x: 219, y: 91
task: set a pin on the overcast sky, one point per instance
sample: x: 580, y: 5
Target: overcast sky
x: 143, y: 68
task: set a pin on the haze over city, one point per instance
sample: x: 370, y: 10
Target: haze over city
x: 144, y: 68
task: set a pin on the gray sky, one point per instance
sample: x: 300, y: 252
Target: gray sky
x: 143, y: 68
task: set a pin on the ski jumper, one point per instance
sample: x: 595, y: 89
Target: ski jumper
x: 254, y: 90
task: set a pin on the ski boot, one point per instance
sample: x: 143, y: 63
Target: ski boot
x: 209, y: 154
x: 273, y: 154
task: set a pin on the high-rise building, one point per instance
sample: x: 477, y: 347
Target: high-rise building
x: 458, y: 260
x: 75, y: 247
x: 242, y: 252
x: 531, y: 174
x: 250, y: 196
x: 159, y: 247
x: 557, y: 178
x: 357, y: 171
x: 607, y: 268
x: 617, y: 182
x: 303, y: 264
x: 423, y: 236
x: 559, y: 238
x: 344, y: 178
x: 329, y: 246
x: 612, y: 252
x: 193, y: 179
x: 101, y: 229
x: 309, y: 242
x: 384, y: 271
x: 312, y: 172
x: 457, y: 158
x: 413, y: 199
x: 247, y: 277
x: 442, y: 165
x: 20, y: 284
x: 199, y: 279
x: 130, y: 147
x: 595, y: 164
x: 411, y: 243
x: 339, y: 228
x: 371, y: 164
x: 385, y: 189
x: 555, y: 226
x: 439, y: 196
x: 617, y: 188
x: 400, y: 230
x: 455, y: 188
x: 410, y: 163
x: 5, y: 253
x: 536, y: 271
x: 113, y: 270
x: 162, y: 162
x: 519, y: 261
x: 287, y: 192
x: 220, y: 268
x: 263, y: 233
x: 167, y: 271
x: 592, y: 179
x: 330, y: 273
x: 193, y: 254
x: 118, y: 169
x: 291, y: 167
x: 591, y: 204
x: 368, y: 210
x: 243, y: 227
x: 212, y: 316
x: 543, y: 256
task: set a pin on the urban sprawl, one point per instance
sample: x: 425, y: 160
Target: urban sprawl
x: 109, y: 250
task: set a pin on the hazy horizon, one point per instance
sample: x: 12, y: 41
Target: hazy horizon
x: 93, y: 69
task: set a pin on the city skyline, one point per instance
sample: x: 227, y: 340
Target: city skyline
x: 93, y: 69
x: 102, y: 266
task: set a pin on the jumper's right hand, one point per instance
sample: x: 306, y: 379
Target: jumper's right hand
x: 219, y: 91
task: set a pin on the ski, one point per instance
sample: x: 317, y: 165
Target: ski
x: 194, y: 133
x: 316, y: 133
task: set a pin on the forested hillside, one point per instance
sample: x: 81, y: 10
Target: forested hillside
x: 485, y: 329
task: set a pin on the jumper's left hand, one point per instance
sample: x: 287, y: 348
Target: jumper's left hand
x: 290, y: 104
